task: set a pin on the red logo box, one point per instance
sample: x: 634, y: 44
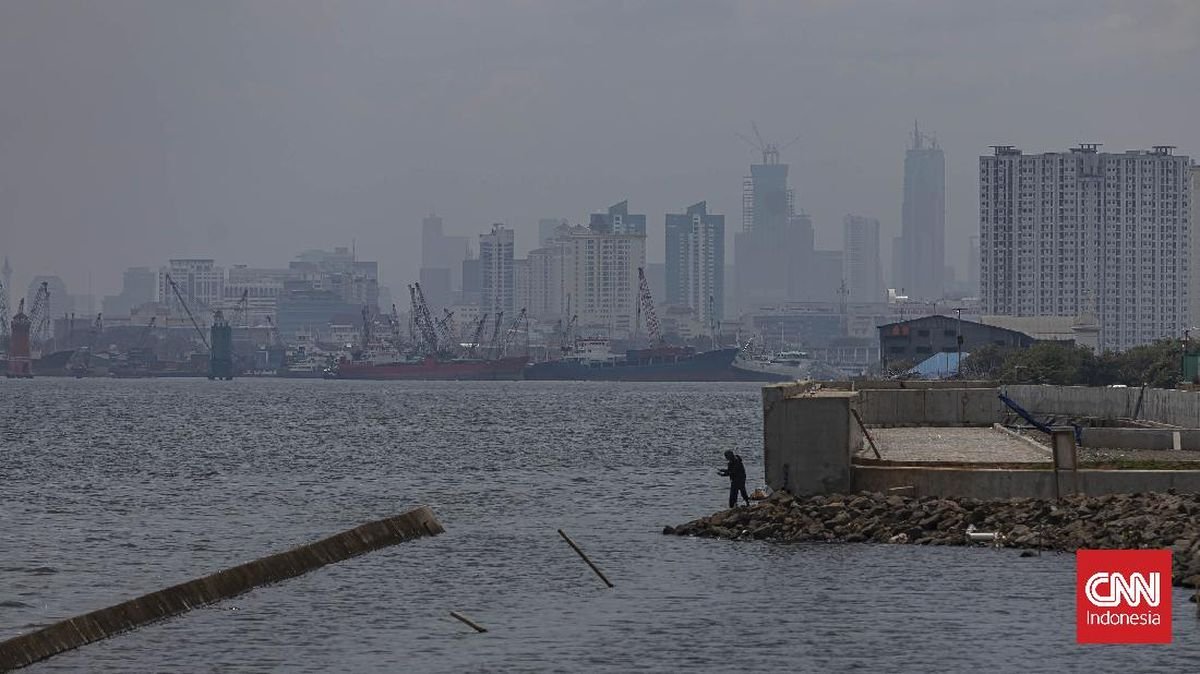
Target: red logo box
x: 1123, y: 596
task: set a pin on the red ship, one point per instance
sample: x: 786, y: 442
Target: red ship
x: 433, y: 369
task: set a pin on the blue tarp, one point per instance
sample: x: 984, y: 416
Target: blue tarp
x: 938, y: 366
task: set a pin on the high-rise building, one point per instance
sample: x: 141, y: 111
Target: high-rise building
x: 1194, y: 248
x: 860, y: 247
x: 922, y: 243
x: 200, y: 281
x: 139, y: 285
x: 695, y: 266
x: 496, y: 287
x: 774, y: 251
x: 618, y: 220
x: 547, y: 228
x: 1087, y: 232
x: 522, y: 284
x: 602, y: 279
x: 439, y: 251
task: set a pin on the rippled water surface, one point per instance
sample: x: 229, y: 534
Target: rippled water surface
x: 109, y: 489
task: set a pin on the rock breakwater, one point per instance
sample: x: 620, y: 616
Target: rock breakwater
x: 1170, y: 521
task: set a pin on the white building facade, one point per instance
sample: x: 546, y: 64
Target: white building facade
x: 1088, y: 232
x: 201, y: 283
x: 497, y: 274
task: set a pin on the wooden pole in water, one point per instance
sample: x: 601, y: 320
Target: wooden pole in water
x: 473, y: 625
x: 584, y: 557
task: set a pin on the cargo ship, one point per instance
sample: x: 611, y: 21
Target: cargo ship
x: 431, y: 368
x: 591, y: 361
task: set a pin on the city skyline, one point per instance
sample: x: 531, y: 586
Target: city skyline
x: 249, y: 155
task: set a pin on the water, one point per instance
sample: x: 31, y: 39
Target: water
x: 109, y: 489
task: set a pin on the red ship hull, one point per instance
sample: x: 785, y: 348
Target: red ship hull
x: 432, y: 369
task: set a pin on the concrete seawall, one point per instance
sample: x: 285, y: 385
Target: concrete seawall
x: 103, y: 623
x: 811, y: 437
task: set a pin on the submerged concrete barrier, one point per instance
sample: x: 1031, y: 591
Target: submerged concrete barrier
x: 106, y: 622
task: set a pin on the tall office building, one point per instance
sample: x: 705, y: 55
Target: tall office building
x: 618, y: 220
x: 695, y: 266
x: 774, y: 251
x: 1088, y: 232
x: 496, y: 273
x: 441, y: 262
x: 860, y: 248
x: 921, y: 256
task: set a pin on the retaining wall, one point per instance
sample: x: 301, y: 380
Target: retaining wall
x: 1141, y: 438
x: 998, y: 483
x: 1166, y: 406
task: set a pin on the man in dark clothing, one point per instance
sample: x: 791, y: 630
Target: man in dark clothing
x: 737, y: 478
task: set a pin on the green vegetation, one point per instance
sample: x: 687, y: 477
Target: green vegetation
x: 1157, y: 364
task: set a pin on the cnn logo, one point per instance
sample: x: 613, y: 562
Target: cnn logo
x: 1123, y: 596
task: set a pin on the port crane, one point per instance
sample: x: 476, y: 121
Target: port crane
x: 81, y: 360
x: 445, y: 328
x: 39, y: 315
x: 188, y: 311
x: 479, y: 327
x: 3, y: 313
x: 423, y: 320
x: 646, y: 304
x: 510, y: 334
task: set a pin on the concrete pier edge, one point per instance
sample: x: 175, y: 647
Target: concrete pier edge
x: 103, y: 623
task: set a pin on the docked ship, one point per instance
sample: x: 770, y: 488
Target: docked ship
x: 433, y: 368
x: 783, y: 366
x: 592, y: 361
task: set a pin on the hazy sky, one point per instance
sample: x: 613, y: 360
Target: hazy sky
x: 131, y: 132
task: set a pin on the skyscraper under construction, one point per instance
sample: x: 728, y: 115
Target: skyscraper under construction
x: 919, y: 258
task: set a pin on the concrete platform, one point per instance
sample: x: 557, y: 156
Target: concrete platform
x: 947, y: 444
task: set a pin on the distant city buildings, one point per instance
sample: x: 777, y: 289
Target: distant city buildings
x: 919, y: 253
x: 861, y: 263
x: 497, y: 286
x: 1087, y: 232
x: 695, y: 264
x: 618, y: 220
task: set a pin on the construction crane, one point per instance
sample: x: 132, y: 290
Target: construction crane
x: 646, y: 304
x: 510, y: 333
x: 39, y: 315
x: 479, y: 327
x: 770, y: 151
x: 188, y: 311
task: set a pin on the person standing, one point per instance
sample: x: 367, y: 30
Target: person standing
x: 736, y: 472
